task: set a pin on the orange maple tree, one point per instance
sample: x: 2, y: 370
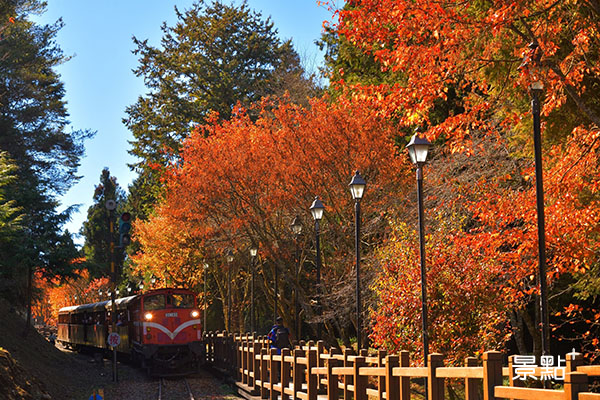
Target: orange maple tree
x: 57, y: 294
x: 464, y: 70
x: 242, y: 181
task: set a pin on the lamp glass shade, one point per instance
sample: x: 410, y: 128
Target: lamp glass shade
x: 317, y: 209
x: 205, y: 265
x: 253, y: 251
x: 417, y: 149
x: 296, y: 226
x: 537, y: 85
x: 357, y: 186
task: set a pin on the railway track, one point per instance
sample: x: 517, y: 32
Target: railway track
x: 176, y: 389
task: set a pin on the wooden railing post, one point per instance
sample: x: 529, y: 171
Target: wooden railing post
x: 243, y: 358
x: 360, y: 382
x: 347, y: 378
x: 573, y: 361
x: 234, y: 367
x: 320, y: 363
x: 492, y: 373
x: 273, y: 372
x: 333, y: 390
x: 575, y: 383
x: 381, y: 380
x: 297, y: 371
x: 471, y: 386
x: 392, y: 383
x: 435, y: 385
x: 249, y: 361
x: 256, y: 367
x: 405, y: 380
x: 264, y: 373
x: 285, y: 373
x: 311, y: 379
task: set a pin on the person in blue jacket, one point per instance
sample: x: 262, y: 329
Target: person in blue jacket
x: 279, y: 336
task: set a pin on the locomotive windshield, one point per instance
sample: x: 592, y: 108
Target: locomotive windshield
x: 154, y: 302
x: 171, y: 300
x: 178, y: 300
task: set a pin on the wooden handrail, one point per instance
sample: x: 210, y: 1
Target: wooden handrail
x: 521, y: 393
x: 309, y: 371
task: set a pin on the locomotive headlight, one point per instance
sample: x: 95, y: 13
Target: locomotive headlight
x: 195, y: 314
x: 148, y: 316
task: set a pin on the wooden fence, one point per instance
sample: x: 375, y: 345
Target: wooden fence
x: 310, y: 372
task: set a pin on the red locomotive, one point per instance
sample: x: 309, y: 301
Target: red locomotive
x: 159, y: 329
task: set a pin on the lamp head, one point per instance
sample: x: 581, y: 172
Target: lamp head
x: 317, y: 209
x: 357, y: 186
x: 296, y: 226
x: 418, y: 148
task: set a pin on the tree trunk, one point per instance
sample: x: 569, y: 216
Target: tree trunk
x: 535, y: 333
x: 516, y: 321
x: 29, y: 292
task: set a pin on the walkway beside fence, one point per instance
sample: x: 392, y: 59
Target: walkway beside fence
x: 311, y: 372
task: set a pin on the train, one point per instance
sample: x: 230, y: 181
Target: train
x: 160, y: 329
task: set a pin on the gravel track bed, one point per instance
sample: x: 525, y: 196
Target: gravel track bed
x: 134, y: 384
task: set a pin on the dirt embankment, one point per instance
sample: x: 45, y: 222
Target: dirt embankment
x: 32, y: 368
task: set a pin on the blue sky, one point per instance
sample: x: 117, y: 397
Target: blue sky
x: 100, y: 83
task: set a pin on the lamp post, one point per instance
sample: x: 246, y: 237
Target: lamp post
x: 141, y: 286
x: 253, y: 253
x: 357, y: 188
x: 229, y: 261
x: 204, y: 296
x: 417, y: 149
x: 275, y: 291
x: 297, y: 230
x: 316, y: 210
x: 536, y: 90
x: 152, y: 280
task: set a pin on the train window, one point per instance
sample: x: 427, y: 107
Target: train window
x: 154, y: 302
x: 179, y: 300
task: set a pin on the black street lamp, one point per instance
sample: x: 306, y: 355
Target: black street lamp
x: 204, y: 296
x: 357, y: 188
x: 296, y: 227
x: 418, y: 149
x: 275, y: 291
x: 229, y: 261
x: 141, y: 285
x: 316, y: 210
x: 253, y: 253
x: 536, y: 89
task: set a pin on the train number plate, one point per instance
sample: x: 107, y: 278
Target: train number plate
x: 171, y: 314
